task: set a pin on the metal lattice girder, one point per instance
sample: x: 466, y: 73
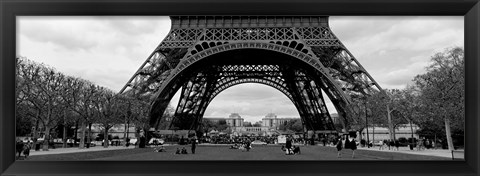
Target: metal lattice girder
x: 307, y: 39
x: 197, y: 93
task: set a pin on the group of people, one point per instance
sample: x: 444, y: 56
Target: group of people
x: 289, y: 149
x: 347, y: 143
x: 238, y: 139
x: 22, y: 147
x: 183, y: 151
x: 244, y: 145
x: 183, y: 141
x: 423, y: 144
x: 391, y: 144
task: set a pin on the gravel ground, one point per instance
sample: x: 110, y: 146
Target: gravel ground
x: 259, y: 152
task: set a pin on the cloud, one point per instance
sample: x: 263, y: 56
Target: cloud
x: 139, y: 25
x: 62, y: 32
x: 395, y: 49
x: 94, y: 48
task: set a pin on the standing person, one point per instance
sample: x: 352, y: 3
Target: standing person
x: 194, y: 145
x: 19, y: 147
x: 339, y: 147
x: 288, y: 144
x: 381, y: 145
x: 26, y: 149
x: 397, y: 144
x: 248, y: 145
x: 353, y: 146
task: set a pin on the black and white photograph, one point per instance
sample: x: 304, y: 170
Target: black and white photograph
x: 118, y: 88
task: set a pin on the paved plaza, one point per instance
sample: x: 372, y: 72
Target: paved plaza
x: 222, y: 152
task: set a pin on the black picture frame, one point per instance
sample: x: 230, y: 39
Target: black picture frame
x: 9, y: 9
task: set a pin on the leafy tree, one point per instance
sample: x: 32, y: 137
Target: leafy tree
x: 292, y: 125
x: 257, y: 124
x: 107, y: 105
x: 140, y: 110
x: 166, y: 118
x: 442, y: 90
x: 79, y: 97
x: 207, y: 125
x: 222, y: 125
x: 42, y: 90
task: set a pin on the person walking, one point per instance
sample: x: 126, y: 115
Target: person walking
x: 339, y: 147
x: 353, y: 146
x: 194, y: 144
x: 389, y: 144
x: 397, y: 144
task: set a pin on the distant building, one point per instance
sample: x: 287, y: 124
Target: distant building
x: 215, y: 119
x: 381, y: 133
x: 270, y: 120
x: 236, y: 123
x: 116, y: 131
x: 235, y: 120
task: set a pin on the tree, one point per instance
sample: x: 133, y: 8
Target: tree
x: 42, y: 90
x: 408, y: 106
x: 442, y: 90
x: 79, y: 97
x: 292, y: 125
x: 23, y: 109
x: 107, y: 109
x: 222, y: 125
x: 126, y: 111
x: 140, y: 110
x: 296, y: 125
x: 167, y: 115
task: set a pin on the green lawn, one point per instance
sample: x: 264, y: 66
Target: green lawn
x: 258, y: 152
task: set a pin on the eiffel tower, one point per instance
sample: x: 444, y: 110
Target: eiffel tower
x: 297, y: 55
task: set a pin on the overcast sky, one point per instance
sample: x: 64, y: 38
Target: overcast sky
x: 108, y: 51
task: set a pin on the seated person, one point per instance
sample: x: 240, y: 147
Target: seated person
x: 283, y: 148
x: 296, y: 150
x: 241, y: 147
x: 289, y: 151
x: 161, y: 149
x: 184, y: 151
x: 234, y: 146
x: 178, y: 151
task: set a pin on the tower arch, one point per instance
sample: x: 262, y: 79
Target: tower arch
x: 199, y: 51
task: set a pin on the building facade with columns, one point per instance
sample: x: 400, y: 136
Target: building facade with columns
x: 272, y: 121
x: 236, y: 123
x: 234, y: 120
